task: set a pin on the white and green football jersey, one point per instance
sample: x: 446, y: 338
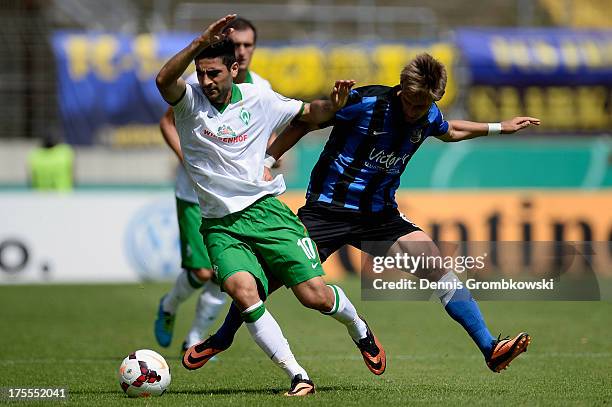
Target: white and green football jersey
x: 183, y: 188
x: 255, y: 79
x: 224, y: 149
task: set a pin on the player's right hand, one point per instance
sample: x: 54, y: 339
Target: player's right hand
x: 214, y: 33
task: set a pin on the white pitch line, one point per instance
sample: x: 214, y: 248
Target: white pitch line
x: 446, y: 164
x: 598, y: 164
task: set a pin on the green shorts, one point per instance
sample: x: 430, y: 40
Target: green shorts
x: 193, y: 252
x: 265, y: 235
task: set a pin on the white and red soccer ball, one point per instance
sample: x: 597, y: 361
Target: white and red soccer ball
x: 144, y: 373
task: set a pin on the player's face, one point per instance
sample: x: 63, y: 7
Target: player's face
x: 244, y: 40
x: 414, y: 106
x: 215, y: 78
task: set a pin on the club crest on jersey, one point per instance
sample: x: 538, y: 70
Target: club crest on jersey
x: 245, y: 116
x: 226, y: 131
x: 416, y: 135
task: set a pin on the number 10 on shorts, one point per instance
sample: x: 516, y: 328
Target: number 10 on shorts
x: 309, y: 247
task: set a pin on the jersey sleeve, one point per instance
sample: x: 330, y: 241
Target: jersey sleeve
x: 352, y: 107
x: 259, y: 81
x: 263, y: 83
x: 279, y: 109
x: 440, y: 126
x: 185, y: 106
x: 348, y: 112
x: 193, y: 78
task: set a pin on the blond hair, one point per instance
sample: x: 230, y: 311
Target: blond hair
x: 424, y: 75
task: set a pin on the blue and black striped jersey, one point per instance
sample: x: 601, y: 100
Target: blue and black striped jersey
x: 368, y: 150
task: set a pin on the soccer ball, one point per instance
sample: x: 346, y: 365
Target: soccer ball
x: 144, y: 373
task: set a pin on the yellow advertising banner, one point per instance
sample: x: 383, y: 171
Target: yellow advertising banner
x: 309, y: 71
x: 517, y: 215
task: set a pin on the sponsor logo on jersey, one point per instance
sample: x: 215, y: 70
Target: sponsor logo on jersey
x: 225, y: 134
x: 225, y: 131
x: 389, y: 162
x: 208, y: 133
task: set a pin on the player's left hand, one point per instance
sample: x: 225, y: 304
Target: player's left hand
x: 267, y: 174
x: 339, y: 94
x: 518, y: 123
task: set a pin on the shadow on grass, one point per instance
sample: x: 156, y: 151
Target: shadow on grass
x: 261, y: 390
x: 95, y: 391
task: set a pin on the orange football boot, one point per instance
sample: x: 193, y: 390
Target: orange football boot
x: 196, y: 356
x: 505, y: 350
x: 372, y: 351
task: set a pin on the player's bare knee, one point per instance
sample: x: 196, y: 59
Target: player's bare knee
x: 242, y: 288
x: 244, y: 297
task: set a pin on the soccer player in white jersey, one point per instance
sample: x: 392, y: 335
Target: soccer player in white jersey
x: 195, y: 263
x: 224, y: 129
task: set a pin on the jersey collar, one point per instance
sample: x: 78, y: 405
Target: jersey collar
x: 236, y: 97
x: 248, y: 78
x: 398, y: 116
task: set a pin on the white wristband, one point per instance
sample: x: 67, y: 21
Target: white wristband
x: 269, y: 161
x: 494, y: 129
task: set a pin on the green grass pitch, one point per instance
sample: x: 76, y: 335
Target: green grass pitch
x: 76, y: 336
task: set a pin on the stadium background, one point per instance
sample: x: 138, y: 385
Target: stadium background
x: 91, y: 81
x: 84, y: 70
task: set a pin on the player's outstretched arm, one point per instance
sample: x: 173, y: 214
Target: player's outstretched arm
x: 168, y: 80
x: 313, y: 114
x: 321, y: 111
x: 459, y: 130
x: 288, y: 138
x: 170, y: 134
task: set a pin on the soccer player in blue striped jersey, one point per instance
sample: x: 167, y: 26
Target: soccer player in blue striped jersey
x: 351, y: 194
